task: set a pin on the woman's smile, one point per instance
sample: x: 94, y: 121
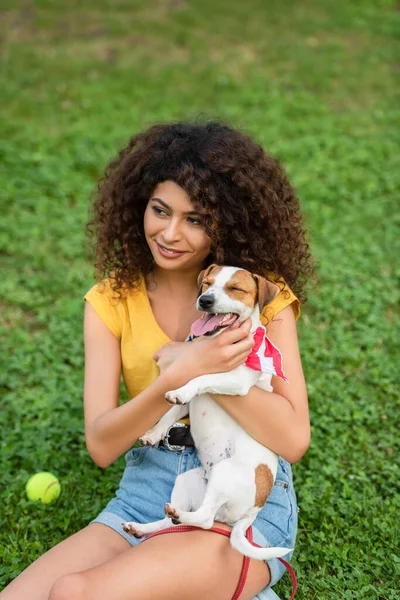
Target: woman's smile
x: 169, y: 252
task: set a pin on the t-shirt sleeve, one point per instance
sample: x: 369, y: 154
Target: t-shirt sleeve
x: 285, y: 298
x: 102, y: 298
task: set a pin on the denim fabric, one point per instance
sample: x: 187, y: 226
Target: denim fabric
x: 147, y: 484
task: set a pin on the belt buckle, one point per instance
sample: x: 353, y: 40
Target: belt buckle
x: 173, y: 447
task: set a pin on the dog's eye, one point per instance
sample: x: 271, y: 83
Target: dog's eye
x: 236, y: 289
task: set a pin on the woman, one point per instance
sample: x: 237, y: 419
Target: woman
x: 177, y: 198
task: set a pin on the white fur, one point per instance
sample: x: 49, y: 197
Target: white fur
x: 223, y: 489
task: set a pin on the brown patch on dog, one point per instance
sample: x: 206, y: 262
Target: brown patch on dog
x: 264, y: 484
x: 241, y: 286
x: 208, y: 274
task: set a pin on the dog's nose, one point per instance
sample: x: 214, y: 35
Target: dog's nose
x: 206, y: 302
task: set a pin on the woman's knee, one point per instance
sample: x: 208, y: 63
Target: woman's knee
x: 68, y: 587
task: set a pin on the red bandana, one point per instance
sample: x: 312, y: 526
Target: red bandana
x: 265, y: 356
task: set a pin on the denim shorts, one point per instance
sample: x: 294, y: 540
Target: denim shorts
x: 147, y: 483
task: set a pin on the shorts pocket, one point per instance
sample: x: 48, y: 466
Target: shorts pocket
x: 134, y: 456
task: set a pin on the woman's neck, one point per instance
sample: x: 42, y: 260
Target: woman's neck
x: 173, y: 282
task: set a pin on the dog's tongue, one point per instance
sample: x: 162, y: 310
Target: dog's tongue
x: 205, y: 324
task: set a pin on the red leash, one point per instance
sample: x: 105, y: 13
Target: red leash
x: 246, y: 559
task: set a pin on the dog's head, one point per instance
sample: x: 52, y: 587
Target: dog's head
x: 229, y: 294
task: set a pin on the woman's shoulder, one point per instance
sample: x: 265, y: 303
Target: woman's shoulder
x: 285, y: 298
x: 105, y: 289
x: 111, y: 303
x: 115, y: 294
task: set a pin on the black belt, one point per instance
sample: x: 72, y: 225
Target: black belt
x: 178, y: 437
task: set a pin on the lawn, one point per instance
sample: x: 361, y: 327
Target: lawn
x: 315, y: 83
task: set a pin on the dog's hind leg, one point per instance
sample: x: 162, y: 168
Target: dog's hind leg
x: 139, y: 530
x: 188, y: 492
x: 226, y: 479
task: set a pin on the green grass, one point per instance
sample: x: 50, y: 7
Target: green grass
x: 315, y: 82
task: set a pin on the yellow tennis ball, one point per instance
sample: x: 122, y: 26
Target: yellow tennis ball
x: 43, y: 486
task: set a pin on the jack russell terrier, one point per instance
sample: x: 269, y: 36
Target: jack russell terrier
x: 237, y: 472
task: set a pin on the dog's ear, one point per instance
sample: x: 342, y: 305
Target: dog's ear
x: 203, y: 274
x: 266, y: 291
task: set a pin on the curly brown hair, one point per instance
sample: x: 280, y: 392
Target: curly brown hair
x: 250, y: 210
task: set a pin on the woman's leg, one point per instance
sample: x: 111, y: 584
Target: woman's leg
x: 195, y: 565
x: 94, y: 545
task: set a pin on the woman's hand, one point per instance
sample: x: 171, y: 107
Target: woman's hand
x: 168, y: 353
x: 207, y: 355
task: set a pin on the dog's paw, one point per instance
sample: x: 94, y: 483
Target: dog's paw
x: 149, y: 439
x: 154, y: 435
x: 146, y: 440
x: 175, y: 397
x: 133, y: 529
x: 172, y: 513
x: 172, y: 398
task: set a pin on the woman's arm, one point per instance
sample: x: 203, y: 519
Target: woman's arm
x: 111, y: 429
x: 278, y: 419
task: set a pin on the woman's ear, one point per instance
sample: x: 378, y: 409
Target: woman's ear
x: 266, y: 291
x: 203, y: 274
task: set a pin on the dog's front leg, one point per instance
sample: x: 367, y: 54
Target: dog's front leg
x: 184, y: 394
x: 158, y: 432
x: 234, y: 383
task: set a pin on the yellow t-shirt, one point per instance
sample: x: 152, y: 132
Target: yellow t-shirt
x: 131, y: 320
